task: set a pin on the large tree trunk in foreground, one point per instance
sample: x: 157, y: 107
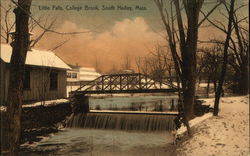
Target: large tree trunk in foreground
x: 225, y: 60
x: 189, y: 66
x: 19, y: 51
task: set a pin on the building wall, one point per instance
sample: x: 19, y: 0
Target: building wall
x: 39, y: 85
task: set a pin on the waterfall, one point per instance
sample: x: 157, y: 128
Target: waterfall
x: 129, y: 122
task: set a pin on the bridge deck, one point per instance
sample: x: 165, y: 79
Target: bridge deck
x: 126, y: 91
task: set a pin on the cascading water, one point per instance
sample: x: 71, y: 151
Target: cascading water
x: 129, y: 122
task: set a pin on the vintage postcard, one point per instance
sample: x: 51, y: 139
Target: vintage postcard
x: 124, y: 77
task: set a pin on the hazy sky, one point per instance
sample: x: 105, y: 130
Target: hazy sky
x: 113, y: 35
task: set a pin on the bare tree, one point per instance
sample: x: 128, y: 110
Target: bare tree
x: 41, y: 25
x: 187, y: 37
x: 238, y: 45
x: 114, y: 69
x: 17, y: 62
x: 158, y: 64
x: 145, y: 63
x: 7, y: 25
x: 230, y: 12
x: 97, y: 65
x: 211, y: 61
x: 240, y: 58
x: 20, y: 44
x: 230, y: 44
x: 127, y: 62
x: 48, y: 23
x: 138, y: 62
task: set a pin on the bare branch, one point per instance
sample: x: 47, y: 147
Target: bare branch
x: 49, y: 30
x: 42, y: 34
x: 209, y: 13
x: 241, y: 6
x: 222, y: 29
x: 180, y: 25
x: 3, y: 36
x: 59, y: 45
x: 222, y: 24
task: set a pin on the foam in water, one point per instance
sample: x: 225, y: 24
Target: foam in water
x: 137, y: 122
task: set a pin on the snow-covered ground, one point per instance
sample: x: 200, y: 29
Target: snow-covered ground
x: 47, y: 103
x: 224, y: 135
x: 35, y: 104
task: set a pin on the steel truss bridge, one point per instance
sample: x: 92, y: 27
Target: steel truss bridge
x: 125, y: 83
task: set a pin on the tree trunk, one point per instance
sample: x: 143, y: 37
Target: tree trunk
x: 208, y: 86
x: 244, y: 81
x: 188, y: 47
x: 188, y: 99
x: 215, y: 85
x: 225, y: 60
x: 189, y: 58
x: 19, y: 51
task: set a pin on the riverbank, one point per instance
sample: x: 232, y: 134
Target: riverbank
x: 226, y: 134
x: 38, y: 121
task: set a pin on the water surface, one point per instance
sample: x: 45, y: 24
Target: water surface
x: 149, y: 103
x: 86, y: 142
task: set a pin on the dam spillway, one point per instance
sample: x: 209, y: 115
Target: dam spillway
x: 128, y: 121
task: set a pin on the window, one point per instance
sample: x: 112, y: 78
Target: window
x: 74, y: 75
x: 26, y: 80
x: 68, y: 75
x: 53, y: 80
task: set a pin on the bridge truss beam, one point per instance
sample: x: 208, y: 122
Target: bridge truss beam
x: 125, y: 83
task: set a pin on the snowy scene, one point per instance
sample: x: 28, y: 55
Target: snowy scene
x: 124, y: 78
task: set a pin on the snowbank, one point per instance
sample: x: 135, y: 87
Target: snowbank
x: 47, y: 103
x: 193, y: 123
x: 226, y: 134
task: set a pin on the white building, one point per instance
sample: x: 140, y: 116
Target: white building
x: 78, y: 76
x: 88, y: 74
x: 73, y: 73
x: 81, y: 74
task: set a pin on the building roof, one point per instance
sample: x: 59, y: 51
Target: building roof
x: 88, y: 74
x: 86, y: 69
x: 85, y: 73
x: 74, y: 67
x: 35, y: 58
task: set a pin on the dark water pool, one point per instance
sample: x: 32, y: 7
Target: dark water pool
x: 90, y: 142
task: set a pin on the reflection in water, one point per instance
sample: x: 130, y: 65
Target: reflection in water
x: 86, y: 142
x: 144, y: 103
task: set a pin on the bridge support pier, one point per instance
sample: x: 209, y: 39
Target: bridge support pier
x: 80, y: 103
